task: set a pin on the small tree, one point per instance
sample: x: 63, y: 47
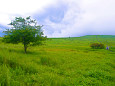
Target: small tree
x: 25, y: 31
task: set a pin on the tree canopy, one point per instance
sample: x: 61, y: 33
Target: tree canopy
x: 25, y: 31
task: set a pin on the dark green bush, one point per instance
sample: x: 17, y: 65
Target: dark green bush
x: 97, y: 46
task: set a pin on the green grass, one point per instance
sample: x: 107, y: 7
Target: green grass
x: 59, y: 62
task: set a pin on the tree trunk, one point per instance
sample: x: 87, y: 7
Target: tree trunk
x: 25, y: 48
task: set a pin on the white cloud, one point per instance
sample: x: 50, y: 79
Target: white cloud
x: 86, y: 17
x: 82, y: 17
x: 11, y: 8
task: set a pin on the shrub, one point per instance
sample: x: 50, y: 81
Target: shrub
x: 97, y: 46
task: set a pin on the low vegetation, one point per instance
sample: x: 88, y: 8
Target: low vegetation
x: 59, y: 62
x: 97, y: 46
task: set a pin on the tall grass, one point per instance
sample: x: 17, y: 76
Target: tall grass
x: 60, y: 62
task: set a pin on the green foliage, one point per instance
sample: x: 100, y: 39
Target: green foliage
x: 25, y: 31
x: 47, y: 61
x: 60, y: 62
x: 97, y: 46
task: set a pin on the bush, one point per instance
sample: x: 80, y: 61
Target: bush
x: 97, y: 46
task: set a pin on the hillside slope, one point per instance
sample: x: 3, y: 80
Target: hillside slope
x: 59, y: 62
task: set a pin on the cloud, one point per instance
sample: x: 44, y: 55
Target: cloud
x: 63, y: 18
x: 83, y: 18
x: 54, y: 13
x: 11, y: 8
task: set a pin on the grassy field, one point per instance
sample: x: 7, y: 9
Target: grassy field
x: 59, y: 62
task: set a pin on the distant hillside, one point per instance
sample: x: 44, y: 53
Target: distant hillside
x: 1, y: 34
x: 100, y: 36
x: 2, y: 28
x: 88, y: 36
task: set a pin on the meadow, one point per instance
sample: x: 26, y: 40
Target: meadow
x: 59, y: 62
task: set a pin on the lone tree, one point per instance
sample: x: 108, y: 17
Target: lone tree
x: 25, y: 31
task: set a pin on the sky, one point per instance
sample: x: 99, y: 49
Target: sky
x: 63, y: 18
